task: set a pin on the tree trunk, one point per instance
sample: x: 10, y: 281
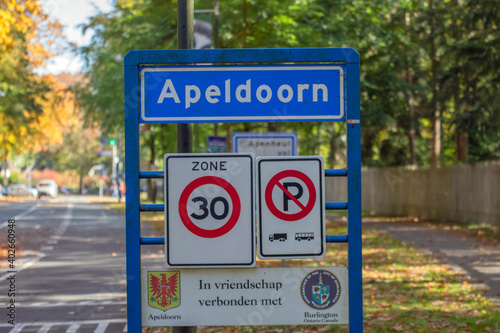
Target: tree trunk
x: 367, y: 139
x: 434, y: 105
x: 461, y: 130
x: 462, y: 146
x: 81, y: 180
x: 228, y: 137
x: 411, y: 101
x: 333, y: 148
x: 245, y: 22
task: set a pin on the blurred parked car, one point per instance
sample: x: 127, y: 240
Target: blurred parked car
x: 34, y: 191
x: 47, y: 187
x: 20, y: 190
x: 66, y: 190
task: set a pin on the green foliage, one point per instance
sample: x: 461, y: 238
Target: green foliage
x: 417, y: 58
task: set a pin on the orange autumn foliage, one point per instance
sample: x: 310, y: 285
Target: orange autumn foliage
x: 25, y: 20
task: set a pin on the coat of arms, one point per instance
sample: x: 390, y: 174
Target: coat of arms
x: 320, y: 291
x: 163, y: 290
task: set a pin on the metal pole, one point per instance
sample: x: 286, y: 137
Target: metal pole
x: 115, y: 155
x: 216, y: 42
x: 185, y: 17
x: 185, y: 14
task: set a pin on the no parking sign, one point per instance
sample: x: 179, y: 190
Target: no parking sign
x: 209, y: 210
x: 291, y: 207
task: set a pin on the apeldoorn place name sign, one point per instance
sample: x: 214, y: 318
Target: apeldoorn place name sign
x: 242, y: 93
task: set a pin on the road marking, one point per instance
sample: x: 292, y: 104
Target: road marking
x: 73, y: 328
x: 101, y: 328
x: 16, y: 328
x: 45, y: 328
x: 24, y: 266
x: 17, y: 217
x: 65, y: 304
x: 62, y: 229
x: 102, y: 325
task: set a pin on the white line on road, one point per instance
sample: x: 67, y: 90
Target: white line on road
x: 101, y: 328
x: 23, y: 266
x: 102, y: 325
x: 65, y: 304
x: 17, y: 217
x: 73, y: 328
x: 45, y: 328
x: 16, y: 328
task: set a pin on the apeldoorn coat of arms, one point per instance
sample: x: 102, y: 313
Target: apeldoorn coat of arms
x: 164, y: 290
x: 320, y: 289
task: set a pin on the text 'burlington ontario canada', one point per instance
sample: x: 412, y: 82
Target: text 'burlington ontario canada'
x: 316, y: 92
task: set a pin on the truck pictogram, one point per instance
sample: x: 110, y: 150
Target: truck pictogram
x: 278, y: 236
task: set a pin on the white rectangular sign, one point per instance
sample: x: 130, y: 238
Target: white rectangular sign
x: 291, y: 207
x: 209, y: 214
x: 266, y: 144
x: 260, y: 296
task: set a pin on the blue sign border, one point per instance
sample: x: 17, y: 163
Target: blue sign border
x: 134, y: 61
x: 154, y: 110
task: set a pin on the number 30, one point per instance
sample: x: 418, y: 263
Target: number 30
x: 212, y: 212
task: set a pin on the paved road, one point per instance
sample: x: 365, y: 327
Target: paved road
x: 470, y: 256
x: 71, y: 270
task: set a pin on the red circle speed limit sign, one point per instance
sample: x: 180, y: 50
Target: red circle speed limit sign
x: 284, y: 186
x: 209, y: 209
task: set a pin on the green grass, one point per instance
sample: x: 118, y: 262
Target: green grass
x: 404, y: 291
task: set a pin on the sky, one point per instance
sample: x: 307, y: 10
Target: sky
x: 70, y: 14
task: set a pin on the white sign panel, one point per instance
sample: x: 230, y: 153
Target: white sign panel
x: 260, y: 296
x: 266, y: 144
x: 291, y: 207
x: 209, y: 214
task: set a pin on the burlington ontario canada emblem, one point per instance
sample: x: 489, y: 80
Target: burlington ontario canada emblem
x: 320, y: 289
x: 164, y: 290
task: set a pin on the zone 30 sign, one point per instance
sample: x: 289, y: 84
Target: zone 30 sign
x: 209, y: 216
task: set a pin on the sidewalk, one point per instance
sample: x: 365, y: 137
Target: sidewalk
x: 479, y: 262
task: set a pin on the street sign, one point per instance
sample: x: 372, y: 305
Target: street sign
x: 291, y: 207
x: 302, y: 84
x: 266, y: 144
x: 260, y: 296
x: 242, y: 93
x: 209, y: 215
x: 216, y: 144
x: 106, y: 153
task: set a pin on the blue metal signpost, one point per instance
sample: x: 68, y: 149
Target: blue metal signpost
x: 231, y: 85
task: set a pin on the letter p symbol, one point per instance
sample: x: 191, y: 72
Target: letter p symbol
x: 286, y: 198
